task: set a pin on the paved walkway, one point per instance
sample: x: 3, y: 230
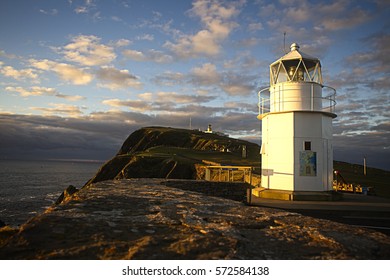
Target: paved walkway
x: 357, y: 210
x: 351, y: 202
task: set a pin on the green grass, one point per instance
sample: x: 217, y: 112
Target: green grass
x: 199, y: 155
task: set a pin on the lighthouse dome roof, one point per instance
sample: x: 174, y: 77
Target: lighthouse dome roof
x: 295, y: 53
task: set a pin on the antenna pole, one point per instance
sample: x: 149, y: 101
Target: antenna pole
x: 364, y: 166
x: 284, y: 42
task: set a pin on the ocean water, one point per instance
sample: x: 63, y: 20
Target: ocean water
x: 27, y: 188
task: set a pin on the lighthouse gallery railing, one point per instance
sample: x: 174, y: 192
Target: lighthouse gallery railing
x: 328, y: 102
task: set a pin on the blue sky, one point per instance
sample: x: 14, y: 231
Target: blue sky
x: 77, y: 77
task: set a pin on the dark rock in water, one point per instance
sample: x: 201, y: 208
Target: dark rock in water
x: 67, y: 193
x: 159, y: 219
x: 2, y: 224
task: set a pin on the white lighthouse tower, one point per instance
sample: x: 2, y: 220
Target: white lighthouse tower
x: 296, y: 112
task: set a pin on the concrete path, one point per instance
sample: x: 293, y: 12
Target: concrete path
x: 356, y: 210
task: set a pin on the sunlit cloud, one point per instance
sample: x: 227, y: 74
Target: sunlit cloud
x: 150, y: 55
x: 43, y: 91
x: 121, y: 43
x: 9, y: 71
x: 134, y: 105
x: 59, y: 109
x: 88, y: 51
x: 216, y: 17
x: 65, y: 72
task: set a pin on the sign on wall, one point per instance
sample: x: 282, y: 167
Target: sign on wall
x: 307, y: 163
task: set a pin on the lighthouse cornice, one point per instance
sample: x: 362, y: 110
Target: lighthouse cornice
x: 328, y: 114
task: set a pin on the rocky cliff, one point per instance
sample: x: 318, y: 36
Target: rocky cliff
x: 160, y: 219
x: 163, y: 152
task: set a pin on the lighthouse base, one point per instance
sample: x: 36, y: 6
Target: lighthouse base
x: 294, y: 195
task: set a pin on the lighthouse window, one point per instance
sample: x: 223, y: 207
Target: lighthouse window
x: 307, y: 145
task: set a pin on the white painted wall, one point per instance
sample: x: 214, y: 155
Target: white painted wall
x: 283, y: 137
x: 278, y: 156
x: 290, y: 96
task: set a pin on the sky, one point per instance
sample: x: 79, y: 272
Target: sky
x: 78, y: 77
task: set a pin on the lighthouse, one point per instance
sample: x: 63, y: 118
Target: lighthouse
x: 296, y: 113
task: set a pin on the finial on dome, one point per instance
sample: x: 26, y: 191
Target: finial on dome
x: 294, y: 47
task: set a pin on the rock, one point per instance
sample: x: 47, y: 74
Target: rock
x: 146, y: 219
x: 2, y: 224
x: 66, y: 194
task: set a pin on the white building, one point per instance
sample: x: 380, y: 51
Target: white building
x: 296, y: 112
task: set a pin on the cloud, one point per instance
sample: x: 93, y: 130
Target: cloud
x: 205, y: 75
x: 86, y: 8
x: 255, y: 26
x: 150, y: 55
x: 217, y: 20
x: 352, y: 19
x: 39, y: 91
x: 134, y: 55
x: 177, y: 98
x: 88, y: 51
x: 238, y: 84
x: 114, y: 79
x: 146, y: 37
x: 134, y: 105
x: 51, y: 12
x: 48, y: 137
x: 33, y: 92
x: 148, y: 96
x: 59, y: 109
x: 298, y: 14
x: 23, y: 74
x: 317, y: 22
x: 66, y: 72
x: 122, y: 43
x: 379, y: 60
x: 169, y: 78
x: 367, y: 70
x: 242, y: 106
x: 163, y: 102
x: 81, y: 10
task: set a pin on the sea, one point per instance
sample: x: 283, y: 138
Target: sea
x: 27, y: 188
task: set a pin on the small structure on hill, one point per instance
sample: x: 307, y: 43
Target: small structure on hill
x: 296, y: 116
x: 210, y: 130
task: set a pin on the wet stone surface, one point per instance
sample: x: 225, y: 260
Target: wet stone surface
x: 145, y: 219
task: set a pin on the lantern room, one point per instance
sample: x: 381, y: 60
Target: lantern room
x: 295, y: 66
